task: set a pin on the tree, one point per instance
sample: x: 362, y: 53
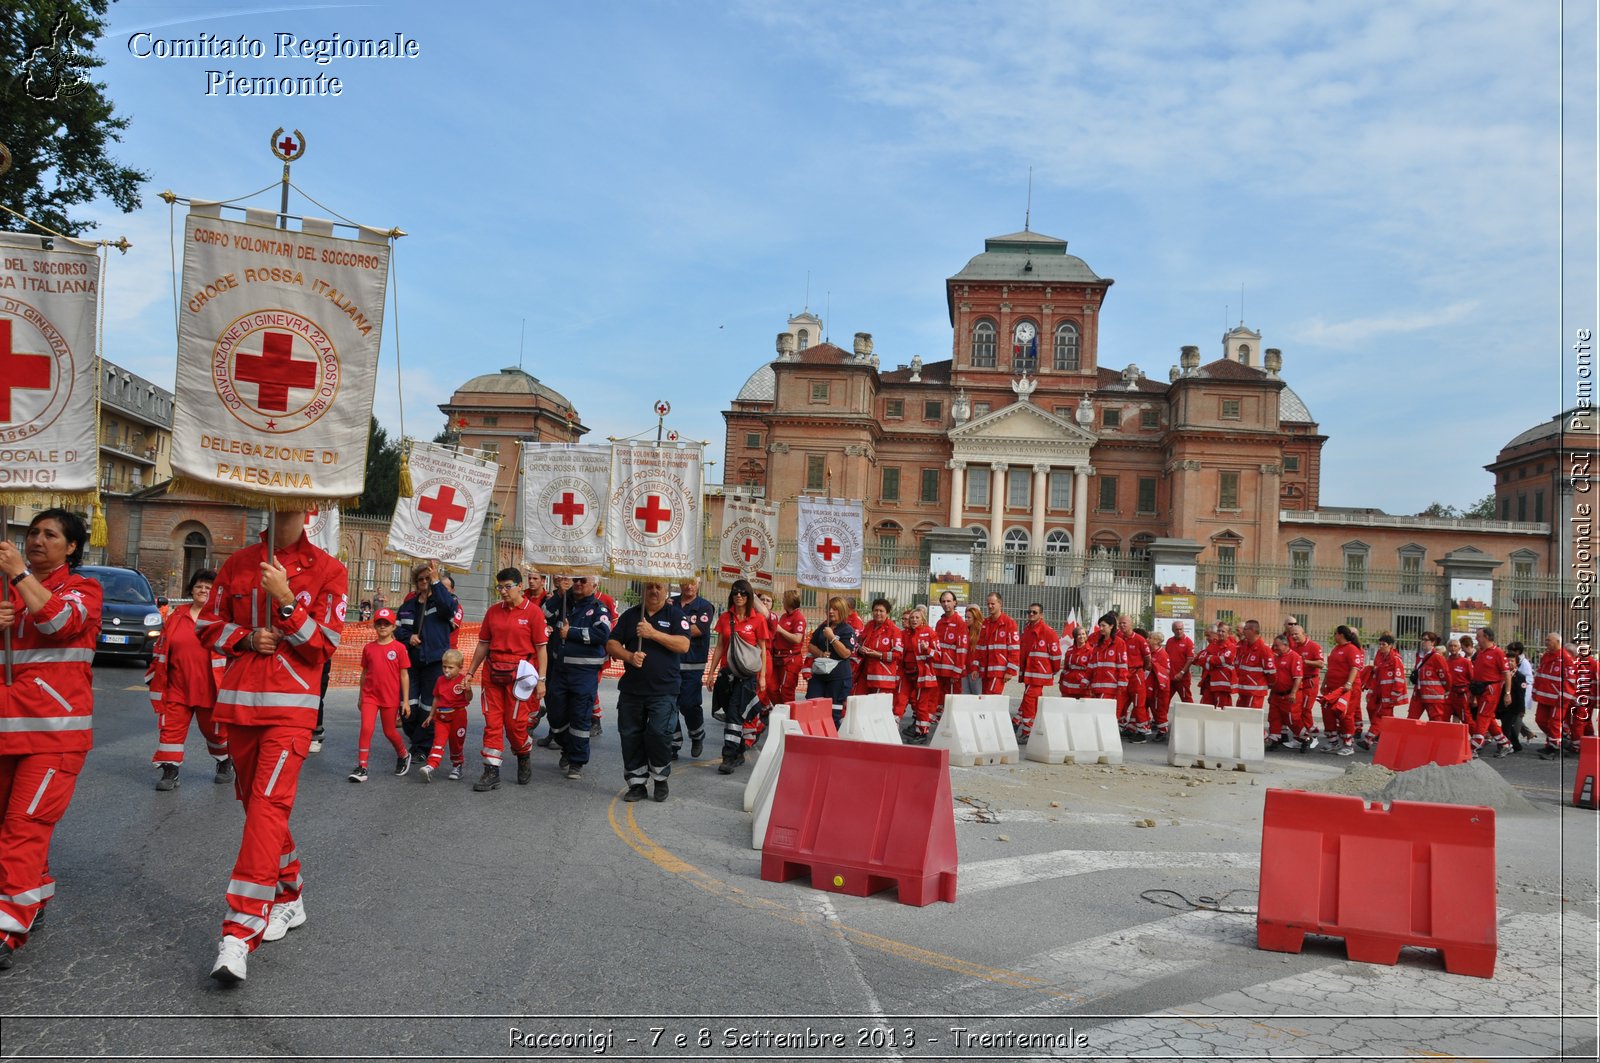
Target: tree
x: 382, y: 488
x: 1482, y: 509
x: 55, y: 121
x: 1439, y: 509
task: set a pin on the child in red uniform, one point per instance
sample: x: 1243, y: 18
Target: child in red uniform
x: 451, y: 695
x: 385, y: 684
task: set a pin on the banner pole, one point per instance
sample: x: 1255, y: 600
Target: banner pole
x: 5, y: 529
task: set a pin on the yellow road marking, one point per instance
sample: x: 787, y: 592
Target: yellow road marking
x: 627, y: 828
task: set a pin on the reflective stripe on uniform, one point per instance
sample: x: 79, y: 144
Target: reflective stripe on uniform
x: 254, y: 891
x: 52, y: 655
x: 46, y: 723
x: 261, y: 699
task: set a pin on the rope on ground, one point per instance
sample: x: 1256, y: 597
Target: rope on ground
x: 1201, y: 903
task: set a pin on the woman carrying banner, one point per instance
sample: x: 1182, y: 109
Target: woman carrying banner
x: 183, y: 685
x: 742, y: 668
x: 830, y: 649
x: 47, y: 713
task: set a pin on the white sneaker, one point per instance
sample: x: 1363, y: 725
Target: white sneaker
x: 426, y: 773
x: 284, y: 918
x: 1346, y: 749
x: 232, y: 954
x: 1291, y: 744
x: 316, y: 745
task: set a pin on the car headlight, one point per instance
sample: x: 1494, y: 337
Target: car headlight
x: 152, y: 620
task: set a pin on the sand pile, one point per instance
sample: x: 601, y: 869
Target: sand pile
x: 1472, y: 783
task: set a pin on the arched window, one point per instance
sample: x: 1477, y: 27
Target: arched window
x: 1066, y: 346
x: 1016, y: 551
x: 983, y: 342
x: 1107, y: 544
x: 1244, y: 354
x: 1017, y: 540
x: 982, y: 540
x: 1057, y: 544
x: 1139, y: 545
x: 196, y: 550
x: 802, y: 339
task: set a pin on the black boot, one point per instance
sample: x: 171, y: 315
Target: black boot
x: 169, y: 778
x: 524, y: 769
x: 490, y: 780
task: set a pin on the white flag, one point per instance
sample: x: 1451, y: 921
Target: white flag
x: 47, y: 370
x: 563, y: 502
x: 322, y: 528
x: 829, y: 544
x: 277, y: 357
x: 443, y: 519
x: 653, y: 516
x: 749, y: 543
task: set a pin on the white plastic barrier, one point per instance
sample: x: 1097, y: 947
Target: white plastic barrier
x: 765, y: 765
x: 1077, y: 731
x: 769, y: 782
x: 1205, y: 737
x: 870, y: 718
x: 977, y: 729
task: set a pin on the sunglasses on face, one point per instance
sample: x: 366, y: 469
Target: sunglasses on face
x: 508, y: 586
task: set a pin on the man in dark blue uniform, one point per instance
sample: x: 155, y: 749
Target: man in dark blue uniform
x: 580, y: 626
x: 702, y: 617
x: 424, y: 624
x: 650, y: 640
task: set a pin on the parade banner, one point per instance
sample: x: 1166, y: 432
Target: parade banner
x: 1471, y: 605
x: 829, y: 544
x: 277, y: 357
x: 443, y: 519
x: 653, y: 516
x: 48, y: 418
x: 749, y: 543
x: 322, y: 528
x: 564, y: 491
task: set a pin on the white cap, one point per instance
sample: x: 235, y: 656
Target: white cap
x: 526, y: 682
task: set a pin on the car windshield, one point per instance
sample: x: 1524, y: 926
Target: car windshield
x: 123, y: 586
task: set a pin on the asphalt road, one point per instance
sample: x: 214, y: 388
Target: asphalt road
x: 554, y: 922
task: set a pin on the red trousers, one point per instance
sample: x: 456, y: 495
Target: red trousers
x: 1029, y: 708
x: 172, y: 724
x: 1218, y: 698
x: 929, y: 703
x: 1436, y: 711
x: 1251, y: 700
x: 784, y: 678
x: 1180, y: 686
x: 1131, y: 708
x: 994, y: 682
x: 1484, y: 719
x: 372, y: 712
x: 1458, y: 704
x: 35, y: 790
x: 904, y: 691
x: 1282, y: 714
x: 267, y: 764
x: 1548, y: 719
x: 1160, y: 697
x: 449, y: 728
x: 1305, y: 721
x: 503, y: 715
x: 1341, y: 710
x: 948, y: 684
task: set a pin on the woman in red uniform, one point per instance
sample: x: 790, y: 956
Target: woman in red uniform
x: 46, y: 713
x: 879, y: 645
x: 741, y: 621
x: 183, y: 687
x: 1341, y: 691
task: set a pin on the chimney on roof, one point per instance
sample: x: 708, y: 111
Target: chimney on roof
x: 863, y: 346
x: 785, y: 346
x: 1274, y: 361
x: 1189, y: 358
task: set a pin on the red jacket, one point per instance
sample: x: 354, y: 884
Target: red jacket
x: 181, y: 669
x: 950, y: 646
x: 49, y: 707
x: 1041, y: 654
x: 1389, y: 672
x: 1554, y: 683
x: 882, y: 637
x: 1216, y: 667
x: 1288, y: 668
x: 1459, y: 668
x: 999, y: 647
x: 1253, y: 668
x: 1108, y: 665
x: 1433, y: 679
x: 282, y: 688
x: 1076, y: 664
x: 918, y: 644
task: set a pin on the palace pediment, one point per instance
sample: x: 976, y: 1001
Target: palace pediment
x: 1021, y: 430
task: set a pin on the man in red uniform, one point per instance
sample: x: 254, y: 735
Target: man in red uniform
x: 999, y: 647
x: 1491, y: 683
x: 1312, y: 660
x: 1180, y: 654
x: 513, y: 630
x: 1283, y: 699
x: 1159, y: 687
x: 1458, y: 661
x: 950, y: 646
x: 1341, y: 691
x: 1131, y: 710
x: 1216, y: 669
x: 905, y: 687
x: 1554, y: 690
x: 1431, y: 698
x: 1389, y: 674
x: 47, y: 713
x: 1041, y: 660
x: 1580, y: 721
x: 1252, y: 667
x: 277, y: 618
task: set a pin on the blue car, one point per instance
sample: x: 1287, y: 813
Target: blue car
x: 130, y: 622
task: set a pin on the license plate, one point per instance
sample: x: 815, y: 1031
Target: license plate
x: 116, y: 640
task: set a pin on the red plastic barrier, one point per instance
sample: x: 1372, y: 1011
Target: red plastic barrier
x: 860, y: 817
x: 1417, y: 874
x: 815, y: 717
x: 1405, y: 744
x: 1586, y: 788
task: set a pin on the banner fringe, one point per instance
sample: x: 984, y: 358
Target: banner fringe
x: 50, y: 499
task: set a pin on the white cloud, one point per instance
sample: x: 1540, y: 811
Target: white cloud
x: 1360, y: 330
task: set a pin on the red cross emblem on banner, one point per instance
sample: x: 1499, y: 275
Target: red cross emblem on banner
x: 18, y: 370
x: 750, y: 550
x: 274, y: 371
x: 442, y: 509
x: 827, y: 548
x: 568, y: 509
x: 652, y: 514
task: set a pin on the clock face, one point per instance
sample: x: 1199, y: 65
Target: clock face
x: 1026, y: 332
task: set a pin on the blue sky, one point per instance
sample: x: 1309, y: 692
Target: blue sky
x: 649, y: 184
